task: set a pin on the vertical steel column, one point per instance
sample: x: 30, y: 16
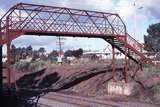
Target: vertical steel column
x: 8, y: 53
x: 8, y: 64
x: 1, y: 71
x: 113, y: 63
x: 141, y: 60
x: 129, y: 63
x: 1, y: 65
x: 141, y: 65
x: 126, y: 61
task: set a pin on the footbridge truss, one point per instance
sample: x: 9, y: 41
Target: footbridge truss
x: 32, y: 19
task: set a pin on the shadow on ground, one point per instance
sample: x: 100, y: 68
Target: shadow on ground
x: 33, y: 86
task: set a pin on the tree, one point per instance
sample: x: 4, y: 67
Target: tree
x: 152, y: 40
x: 53, y: 56
x: 23, y: 53
x: 68, y: 53
x: 35, y: 55
x: 54, y: 53
x: 76, y: 53
x: 13, y: 54
x: 29, y: 50
x: 42, y: 50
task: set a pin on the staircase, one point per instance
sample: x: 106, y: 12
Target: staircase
x: 134, y: 48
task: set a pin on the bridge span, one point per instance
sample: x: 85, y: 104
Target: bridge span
x: 33, y: 19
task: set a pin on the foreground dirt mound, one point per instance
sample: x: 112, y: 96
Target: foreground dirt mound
x: 61, y: 77
x: 88, y: 79
x: 150, y: 86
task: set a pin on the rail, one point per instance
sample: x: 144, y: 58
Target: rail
x: 134, y: 43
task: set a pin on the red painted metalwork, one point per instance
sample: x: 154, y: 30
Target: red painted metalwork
x: 8, y: 52
x: 31, y: 19
x: 8, y: 65
x: 126, y: 62
x: 113, y: 63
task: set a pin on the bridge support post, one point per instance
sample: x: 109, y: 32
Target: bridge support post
x: 113, y: 63
x: 8, y: 64
x: 1, y: 71
x: 1, y: 64
x: 141, y: 65
x: 129, y: 62
x: 126, y: 62
x: 8, y: 52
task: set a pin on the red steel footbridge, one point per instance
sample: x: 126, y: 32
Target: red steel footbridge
x: 33, y: 19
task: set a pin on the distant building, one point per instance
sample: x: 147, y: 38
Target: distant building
x: 103, y: 55
x: 60, y: 57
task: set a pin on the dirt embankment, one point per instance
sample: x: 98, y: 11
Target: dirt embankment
x: 87, y: 79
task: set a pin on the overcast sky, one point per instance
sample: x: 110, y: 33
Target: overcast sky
x: 147, y: 12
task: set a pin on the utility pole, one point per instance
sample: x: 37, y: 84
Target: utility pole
x: 60, y: 43
x: 135, y: 19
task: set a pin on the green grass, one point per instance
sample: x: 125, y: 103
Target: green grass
x: 152, y: 68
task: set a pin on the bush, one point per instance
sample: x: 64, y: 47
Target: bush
x: 25, y: 66
x: 156, y: 93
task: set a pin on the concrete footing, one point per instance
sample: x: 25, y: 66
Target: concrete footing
x: 120, y: 88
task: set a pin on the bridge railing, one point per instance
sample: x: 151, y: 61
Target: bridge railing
x: 25, y: 16
x: 134, y: 43
x: 20, y: 23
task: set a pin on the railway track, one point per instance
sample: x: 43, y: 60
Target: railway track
x: 64, y: 100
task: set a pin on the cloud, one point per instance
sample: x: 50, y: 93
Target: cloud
x: 99, y: 5
x: 151, y: 8
x: 154, y: 8
x: 2, y: 12
x: 85, y: 43
x: 9, y: 3
x: 50, y: 42
x: 36, y: 41
x: 125, y: 9
x: 6, y: 4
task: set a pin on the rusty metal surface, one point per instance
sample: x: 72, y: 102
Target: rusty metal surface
x: 32, y: 19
